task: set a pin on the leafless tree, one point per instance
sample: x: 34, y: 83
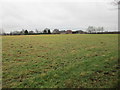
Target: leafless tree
x: 56, y: 31
x: 91, y: 29
x: 116, y: 2
x: 100, y: 29
x: 36, y: 30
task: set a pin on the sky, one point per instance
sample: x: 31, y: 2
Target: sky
x: 60, y: 14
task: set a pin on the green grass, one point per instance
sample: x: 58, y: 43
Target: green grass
x: 60, y: 61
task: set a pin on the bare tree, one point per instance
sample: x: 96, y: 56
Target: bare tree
x: 22, y: 32
x: 116, y: 2
x: 100, y: 29
x: 56, y: 31
x: 91, y: 29
x: 36, y: 30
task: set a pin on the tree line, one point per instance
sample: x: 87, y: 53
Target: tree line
x: 89, y: 30
x: 26, y: 32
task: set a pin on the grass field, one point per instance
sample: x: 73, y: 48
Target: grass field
x: 60, y: 61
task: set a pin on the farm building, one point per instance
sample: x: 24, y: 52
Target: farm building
x: 78, y: 32
x: 69, y: 32
x: 62, y: 32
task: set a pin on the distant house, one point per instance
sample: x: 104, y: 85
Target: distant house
x: 31, y: 32
x: 74, y: 32
x: 62, y: 32
x: 69, y: 32
x: 78, y: 32
x: 56, y: 31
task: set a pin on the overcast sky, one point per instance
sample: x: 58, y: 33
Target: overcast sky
x: 61, y: 14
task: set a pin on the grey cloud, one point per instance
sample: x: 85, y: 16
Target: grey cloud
x: 62, y: 15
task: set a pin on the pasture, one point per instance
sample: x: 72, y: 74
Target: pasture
x: 60, y: 61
